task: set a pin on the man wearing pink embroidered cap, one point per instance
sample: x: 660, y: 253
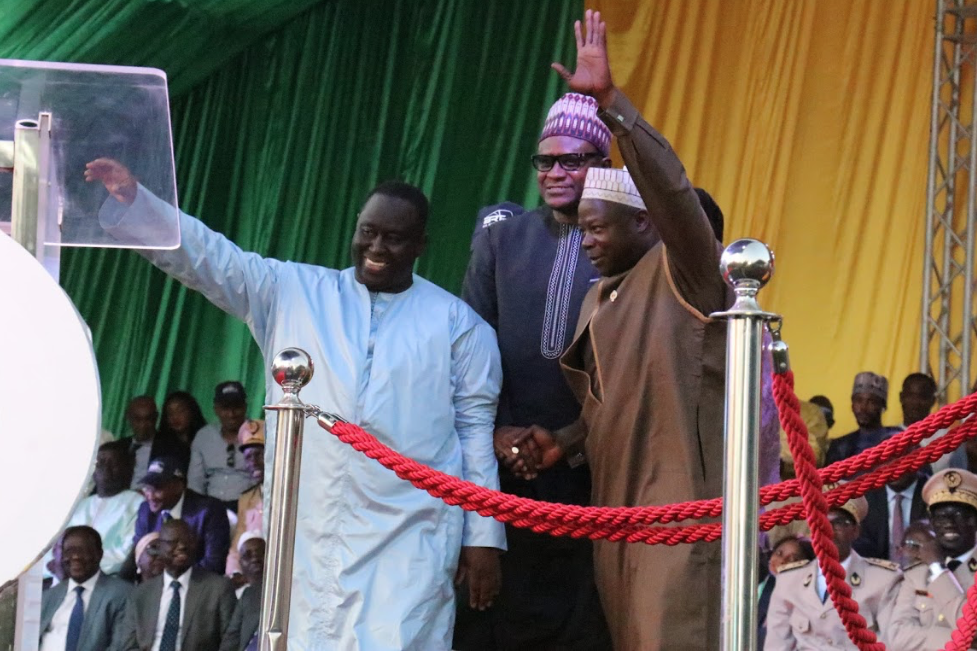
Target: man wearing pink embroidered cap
x: 648, y: 365
x: 527, y: 277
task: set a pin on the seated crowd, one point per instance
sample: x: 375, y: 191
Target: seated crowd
x: 909, y: 548
x: 168, y: 551
x: 178, y: 562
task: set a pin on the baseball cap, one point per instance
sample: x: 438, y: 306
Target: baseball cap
x: 230, y: 393
x: 161, y: 470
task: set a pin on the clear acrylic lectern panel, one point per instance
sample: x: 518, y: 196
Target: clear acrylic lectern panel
x: 55, y: 118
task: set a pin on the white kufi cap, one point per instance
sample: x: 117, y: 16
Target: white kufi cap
x: 609, y: 184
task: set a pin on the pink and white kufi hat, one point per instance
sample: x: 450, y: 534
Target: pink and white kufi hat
x: 609, y: 184
x: 575, y: 115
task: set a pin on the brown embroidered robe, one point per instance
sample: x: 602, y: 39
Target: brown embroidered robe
x: 648, y: 366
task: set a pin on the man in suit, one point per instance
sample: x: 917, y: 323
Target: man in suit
x: 186, y: 607
x: 890, y: 510
x: 243, y: 630
x: 83, y: 613
x: 247, y: 616
x: 801, y: 615
x: 933, y: 591
x: 167, y: 497
x: 145, y: 443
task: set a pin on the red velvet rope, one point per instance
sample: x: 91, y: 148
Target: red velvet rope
x: 632, y: 524
x: 822, y: 536
x: 896, y: 456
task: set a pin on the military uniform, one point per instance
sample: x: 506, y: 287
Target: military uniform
x: 799, y: 621
x: 926, y: 612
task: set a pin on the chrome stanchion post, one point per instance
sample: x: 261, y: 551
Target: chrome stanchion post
x: 746, y: 266
x: 292, y: 369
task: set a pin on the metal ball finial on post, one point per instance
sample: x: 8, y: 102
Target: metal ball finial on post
x: 746, y: 266
x: 292, y: 369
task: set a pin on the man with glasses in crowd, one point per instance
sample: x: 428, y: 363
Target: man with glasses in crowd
x: 216, y: 465
x: 933, y: 591
x: 527, y: 277
x: 145, y: 443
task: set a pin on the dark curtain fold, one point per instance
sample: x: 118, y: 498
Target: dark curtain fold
x: 278, y: 149
x: 189, y: 39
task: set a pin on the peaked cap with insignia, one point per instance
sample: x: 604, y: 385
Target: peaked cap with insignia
x: 951, y: 485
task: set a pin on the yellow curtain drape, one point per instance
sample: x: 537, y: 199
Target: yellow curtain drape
x: 808, y: 121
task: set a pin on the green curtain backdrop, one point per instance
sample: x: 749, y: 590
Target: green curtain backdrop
x: 278, y: 147
x: 188, y: 39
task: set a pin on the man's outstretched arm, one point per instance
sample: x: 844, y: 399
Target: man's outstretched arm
x: 673, y: 206
x: 241, y: 283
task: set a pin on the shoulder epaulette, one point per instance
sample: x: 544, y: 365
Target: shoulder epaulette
x: 879, y: 562
x: 792, y: 566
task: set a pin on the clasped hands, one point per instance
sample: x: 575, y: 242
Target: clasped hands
x: 525, y: 451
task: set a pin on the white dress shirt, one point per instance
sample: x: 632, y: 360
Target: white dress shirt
x: 57, y: 635
x: 164, y: 607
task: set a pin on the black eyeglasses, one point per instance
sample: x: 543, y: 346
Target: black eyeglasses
x: 569, y: 162
x: 230, y: 455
